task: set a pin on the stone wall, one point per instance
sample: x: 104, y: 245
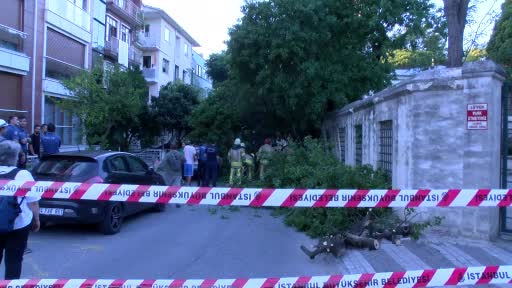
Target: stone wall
x: 431, y: 145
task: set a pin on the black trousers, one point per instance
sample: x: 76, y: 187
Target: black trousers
x: 212, y: 170
x: 13, y: 245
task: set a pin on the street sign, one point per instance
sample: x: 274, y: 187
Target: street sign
x: 477, y: 116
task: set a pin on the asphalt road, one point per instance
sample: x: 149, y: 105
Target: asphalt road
x: 190, y: 242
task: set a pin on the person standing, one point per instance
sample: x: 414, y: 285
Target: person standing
x: 170, y: 166
x: 3, y: 127
x: 235, y: 156
x: 18, y: 215
x: 35, y: 141
x: 248, y: 162
x: 189, y: 153
x: 264, y: 154
x: 201, y: 165
x: 212, y: 165
x: 50, y: 142
x: 12, y: 131
x: 24, y: 141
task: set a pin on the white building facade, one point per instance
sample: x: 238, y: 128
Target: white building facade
x: 167, y: 50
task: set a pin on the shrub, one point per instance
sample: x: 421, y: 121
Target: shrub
x: 309, y: 165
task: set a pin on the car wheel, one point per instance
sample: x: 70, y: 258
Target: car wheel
x: 113, y: 219
x: 160, y: 208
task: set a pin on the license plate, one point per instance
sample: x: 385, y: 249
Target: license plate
x: 51, y: 211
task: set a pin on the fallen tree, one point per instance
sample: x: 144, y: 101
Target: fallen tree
x: 369, y: 231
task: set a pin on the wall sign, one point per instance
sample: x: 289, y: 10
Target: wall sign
x: 477, y: 116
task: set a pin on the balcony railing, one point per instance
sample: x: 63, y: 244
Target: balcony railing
x: 134, y: 55
x: 11, y: 38
x: 70, y: 12
x: 60, y: 70
x: 146, y: 41
x: 150, y: 74
x: 112, y: 47
x: 129, y: 9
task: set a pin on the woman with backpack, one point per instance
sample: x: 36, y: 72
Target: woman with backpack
x: 18, y: 215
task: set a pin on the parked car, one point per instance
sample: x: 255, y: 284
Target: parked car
x: 94, y: 167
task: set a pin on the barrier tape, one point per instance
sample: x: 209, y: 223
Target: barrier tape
x: 257, y: 197
x: 417, y: 278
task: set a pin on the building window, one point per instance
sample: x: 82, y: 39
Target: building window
x: 100, y: 10
x: 177, y: 47
x: 165, y: 66
x: 146, y: 30
x: 341, y: 143
x: 125, y: 34
x: 98, y: 35
x: 146, y: 62
x: 80, y: 3
x: 386, y: 147
x: 67, y: 125
x: 176, y: 72
x: 167, y: 35
x: 111, y: 28
x: 185, y: 49
x: 184, y: 75
x: 359, y: 144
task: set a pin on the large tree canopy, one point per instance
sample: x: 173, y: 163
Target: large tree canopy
x: 500, y: 44
x: 111, y: 105
x: 297, y: 60
x: 172, y: 109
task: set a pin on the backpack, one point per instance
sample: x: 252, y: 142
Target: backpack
x: 9, y: 207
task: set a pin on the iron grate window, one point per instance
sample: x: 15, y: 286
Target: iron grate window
x: 386, y: 147
x: 341, y: 143
x: 359, y: 144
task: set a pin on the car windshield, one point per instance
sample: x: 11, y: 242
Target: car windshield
x: 68, y: 167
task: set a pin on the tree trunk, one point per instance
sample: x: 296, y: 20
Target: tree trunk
x: 455, y: 12
x: 363, y: 242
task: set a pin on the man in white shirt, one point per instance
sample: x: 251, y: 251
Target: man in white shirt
x: 189, y: 153
x: 13, y: 239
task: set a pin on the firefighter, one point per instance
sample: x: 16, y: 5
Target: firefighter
x: 248, y: 162
x: 264, y: 154
x: 235, y: 157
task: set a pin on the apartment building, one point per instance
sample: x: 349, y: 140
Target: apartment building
x: 122, y: 23
x: 199, y: 77
x: 66, y: 51
x: 167, y: 50
x: 20, y: 72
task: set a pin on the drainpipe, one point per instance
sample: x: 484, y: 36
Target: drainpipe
x: 34, y: 50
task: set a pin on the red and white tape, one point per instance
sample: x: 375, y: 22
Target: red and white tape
x: 257, y: 197
x: 417, y: 278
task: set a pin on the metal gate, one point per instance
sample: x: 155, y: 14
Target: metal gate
x: 506, y: 152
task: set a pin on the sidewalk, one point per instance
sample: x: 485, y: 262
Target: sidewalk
x: 431, y: 252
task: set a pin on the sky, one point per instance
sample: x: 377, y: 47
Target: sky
x: 208, y: 21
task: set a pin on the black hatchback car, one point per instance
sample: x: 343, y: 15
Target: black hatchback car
x: 94, y: 167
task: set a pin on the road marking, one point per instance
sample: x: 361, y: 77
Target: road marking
x: 458, y: 257
x: 356, y: 263
x: 404, y: 257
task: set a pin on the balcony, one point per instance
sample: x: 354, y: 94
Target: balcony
x: 55, y: 72
x: 127, y: 10
x: 150, y: 74
x: 69, y: 17
x: 112, y: 47
x: 147, y: 43
x: 134, y: 56
x: 12, y: 58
